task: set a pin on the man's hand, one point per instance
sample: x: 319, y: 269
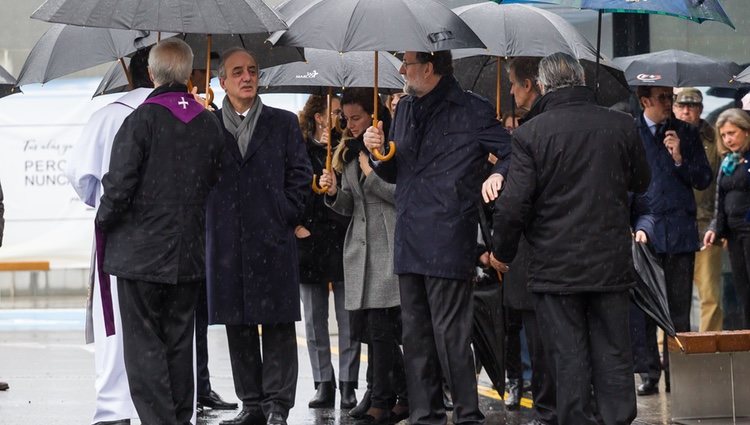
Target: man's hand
x: 498, y: 265
x: 709, y: 238
x: 491, y: 187
x: 374, y: 138
x: 484, y: 259
x: 328, y: 179
x: 200, y: 99
x: 301, y: 232
x: 672, y: 142
x: 640, y: 237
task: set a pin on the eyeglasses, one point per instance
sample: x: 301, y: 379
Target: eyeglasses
x: 664, y: 97
x: 406, y: 64
x: 687, y: 105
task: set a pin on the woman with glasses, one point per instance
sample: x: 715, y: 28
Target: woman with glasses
x: 732, y: 214
x: 371, y: 287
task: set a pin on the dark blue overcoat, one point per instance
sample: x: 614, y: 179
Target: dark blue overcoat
x: 251, y: 252
x: 667, y: 211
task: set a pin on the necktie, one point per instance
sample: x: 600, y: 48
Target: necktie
x: 242, y: 117
x: 659, y: 130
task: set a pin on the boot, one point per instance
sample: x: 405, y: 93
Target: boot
x: 325, y: 396
x: 361, y: 409
x: 348, y: 396
x: 513, y: 401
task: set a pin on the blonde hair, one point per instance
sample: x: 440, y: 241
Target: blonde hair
x: 337, y: 161
x: 737, y: 117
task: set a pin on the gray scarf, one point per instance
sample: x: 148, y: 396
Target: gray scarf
x: 241, y: 129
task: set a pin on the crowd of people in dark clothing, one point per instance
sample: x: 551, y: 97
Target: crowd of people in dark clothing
x: 220, y: 204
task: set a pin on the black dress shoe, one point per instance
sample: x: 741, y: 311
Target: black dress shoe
x: 369, y: 418
x: 213, y: 401
x: 648, y: 387
x: 325, y: 396
x: 361, y: 409
x: 400, y: 411
x: 348, y: 396
x: 117, y: 422
x: 4, y: 386
x: 513, y: 401
x: 248, y: 416
x: 276, y: 419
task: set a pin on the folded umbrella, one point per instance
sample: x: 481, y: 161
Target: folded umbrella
x: 650, y: 293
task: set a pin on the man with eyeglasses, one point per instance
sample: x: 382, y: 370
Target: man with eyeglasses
x: 664, y: 217
x: 443, y: 134
x: 688, y: 107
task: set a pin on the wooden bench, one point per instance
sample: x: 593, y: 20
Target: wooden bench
x: 710, y: 375
x: 27, y: 266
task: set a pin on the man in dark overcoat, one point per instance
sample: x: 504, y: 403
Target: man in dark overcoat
x: 165, y: 158
x: 251, y: 257
x: 567, y: 193
x: 444, y: 135
x: 665, y: 218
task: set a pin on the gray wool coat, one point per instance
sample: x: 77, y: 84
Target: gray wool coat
x: 368, y: 245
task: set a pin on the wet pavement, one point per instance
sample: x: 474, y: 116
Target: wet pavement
x: 51, y: 375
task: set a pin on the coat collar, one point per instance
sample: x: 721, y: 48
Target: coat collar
x: 260, y: 135
x: 564, y: 97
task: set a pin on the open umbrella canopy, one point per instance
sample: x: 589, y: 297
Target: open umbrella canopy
x: 182, y: 16
x: 694, y: 10
x: 521, y: 30
x: 744, y: 76
x: 677, y: 68
x: 65, y: 49
x: 366, y: 25
x: 326, y: 68
x: 114, y: 80
x: 478, y: 74
x: 7, y: 82
x: 265, y: 53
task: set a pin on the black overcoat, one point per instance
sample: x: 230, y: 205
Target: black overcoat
x: 153, y: 207
x: 567, y: 191
x: 321, y: 254
x: 251, y: 252
x: 438, y: 176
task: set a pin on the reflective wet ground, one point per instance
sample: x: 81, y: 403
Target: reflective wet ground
x: 51, y: 375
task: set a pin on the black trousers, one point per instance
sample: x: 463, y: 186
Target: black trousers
x: 513, y: 326
x: 268, y: 382
x: 388, y: 380
x: 201, y: 342
x: 436, y: 316
x: 678, y: 274
x: 158, y: 321
x: 542, y: 380
x: 588, y: 347
x: 739, y: 256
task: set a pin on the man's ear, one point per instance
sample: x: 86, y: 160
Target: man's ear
x: 150, y: 75
x: 221, y: 83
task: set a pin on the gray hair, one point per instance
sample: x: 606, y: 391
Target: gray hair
x: 170, y: 61
x: 229, y: 52
x: 560, y: 70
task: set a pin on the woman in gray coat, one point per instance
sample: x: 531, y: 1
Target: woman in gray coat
x: 371, y: 286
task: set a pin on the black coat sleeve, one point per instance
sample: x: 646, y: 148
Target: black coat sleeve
x: 121, y: 181
x: 298, y: 172
x: 640, y: 172
x: 514, y: 206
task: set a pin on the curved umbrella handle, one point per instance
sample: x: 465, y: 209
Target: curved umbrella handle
x: 316, y: 188
x: 209, y: 94
x: 388, y: 156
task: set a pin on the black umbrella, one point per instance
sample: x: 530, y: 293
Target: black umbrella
x: 326, y: 68
x: 382, y: 25
x: 488, y: 325
x: 65, y: 49
x: 479, y: 74
x: 677, y: 68
x: 650, y: 294
x: 179, y: 16
x: 7, y: 83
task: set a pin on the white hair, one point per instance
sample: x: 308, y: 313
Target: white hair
x: 560, y: 70
x: 170, y: 61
